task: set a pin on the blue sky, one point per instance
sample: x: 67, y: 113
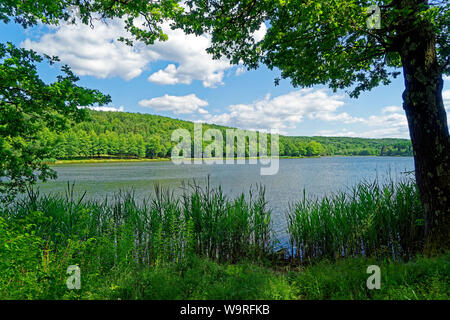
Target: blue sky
x: 178, y: 79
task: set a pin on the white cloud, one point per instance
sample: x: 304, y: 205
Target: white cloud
x: 287, y: 111
x: 177, y: 104
x: 391, y: 123
x: 259, y: 34
x: 375, y: 133
x: 336, y: 133
x: 240, y: 70
x: 193, y: 62
x: 284, y: 111
x: 390, y: 120
x: 96, y: 52
x: 391, y: 109
x: 446, y: 98
x: 167, y: 76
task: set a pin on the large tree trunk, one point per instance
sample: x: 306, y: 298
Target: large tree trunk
x: 427, y: 121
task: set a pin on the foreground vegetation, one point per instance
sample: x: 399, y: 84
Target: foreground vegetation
x: 205, y: 246
x: 196, y: 278
x: 369, y: 220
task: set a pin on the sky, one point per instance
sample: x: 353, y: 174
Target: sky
x: 178, y: 79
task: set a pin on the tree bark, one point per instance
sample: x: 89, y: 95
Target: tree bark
x: 427, y: 121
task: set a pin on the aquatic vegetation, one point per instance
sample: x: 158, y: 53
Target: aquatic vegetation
x: 161, y: 228
x: 369, y: 220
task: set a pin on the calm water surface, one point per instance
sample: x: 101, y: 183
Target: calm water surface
x: 318, y: 176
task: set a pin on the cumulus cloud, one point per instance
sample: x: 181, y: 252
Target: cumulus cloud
x: 96, y: 52
x: 375, y: 133
x: 192, y: 61
x: 336, y: 133
x: 391, y: 120
x: 289, y: 110
x: 391, y: 123
x: 176, y: 104
x: 284, y: 111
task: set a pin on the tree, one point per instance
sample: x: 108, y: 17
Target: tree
x: 72, y: 146
x: 27, y: 105
x: 102, y: 145
x: 313, y: 148
x: 153, y: 147
x: 84, y: 143
x: 124, y: 146
x: 94, y: 142
x: 140, y: 144
x: 301, y: 148
x: 329, y: 42
x: 113, y: 143
x: 384, y: 151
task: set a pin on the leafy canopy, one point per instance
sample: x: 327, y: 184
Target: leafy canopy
x: 318, y: 42
x: 312, y: 42
x: 143, y: 18
x: 28, y: 104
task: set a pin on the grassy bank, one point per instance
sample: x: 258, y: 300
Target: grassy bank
x: 108, y: 160
x: 204, y: 245
x: 113, y: 160
x: 421, y: 278
x: 103, y: 160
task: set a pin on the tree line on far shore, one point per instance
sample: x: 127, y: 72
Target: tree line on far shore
x: 134, y: 135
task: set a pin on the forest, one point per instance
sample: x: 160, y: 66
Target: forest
x: 135, y: 135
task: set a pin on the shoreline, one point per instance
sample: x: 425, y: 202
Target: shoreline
x: 106, y: 160
x: 124, y: 160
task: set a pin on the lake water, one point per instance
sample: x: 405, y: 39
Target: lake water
x: 318, y: 176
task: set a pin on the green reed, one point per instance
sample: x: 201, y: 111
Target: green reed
x: 162, y: 228
x: 369, y: 220
x: 228, y: 229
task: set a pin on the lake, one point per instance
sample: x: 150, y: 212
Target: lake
x: 318, y: 176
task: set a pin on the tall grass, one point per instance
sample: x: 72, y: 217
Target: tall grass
x: 163, y: 228
x: 369, y: 220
